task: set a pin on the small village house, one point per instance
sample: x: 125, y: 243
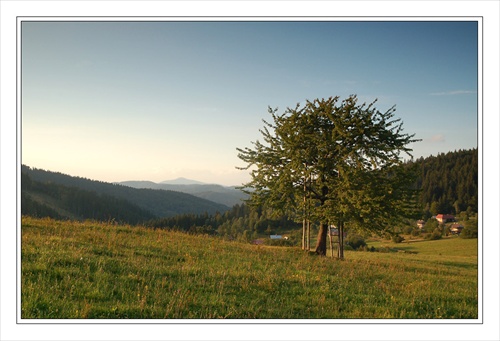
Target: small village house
x: 445, y: 218
x: 456, y: 228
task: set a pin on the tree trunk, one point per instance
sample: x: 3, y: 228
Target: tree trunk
x: 304, y: 210
x: 330, y: 238
x: 341, y: 240
x: 321, y: 243
x: 304, y: 233
x: 308, y: 235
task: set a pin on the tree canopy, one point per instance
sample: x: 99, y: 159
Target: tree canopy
x: 338, y: 162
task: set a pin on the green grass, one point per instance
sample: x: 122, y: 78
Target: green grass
x: 74, y: 270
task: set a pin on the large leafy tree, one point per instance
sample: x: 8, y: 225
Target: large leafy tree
x: 339, y: 159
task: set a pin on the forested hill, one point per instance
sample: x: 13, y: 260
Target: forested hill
x: 51, y: 189
x: 449, y: 182
x: 47, y: 199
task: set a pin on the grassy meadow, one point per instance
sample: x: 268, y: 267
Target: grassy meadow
x: 90, y: 270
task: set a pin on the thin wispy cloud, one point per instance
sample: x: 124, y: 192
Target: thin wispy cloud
x: 436, y: 138
x: 454, y: 92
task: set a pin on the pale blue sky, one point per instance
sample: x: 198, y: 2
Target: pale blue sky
x: 117, y: 101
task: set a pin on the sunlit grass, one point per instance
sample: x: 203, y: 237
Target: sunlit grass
x: 93, y: 270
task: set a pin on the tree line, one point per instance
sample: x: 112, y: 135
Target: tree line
x: 242, y: 222
x: 448, y: 182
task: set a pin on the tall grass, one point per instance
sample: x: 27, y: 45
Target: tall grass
x: 79, y: 270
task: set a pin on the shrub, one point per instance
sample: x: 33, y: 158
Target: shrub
x: 416, y: 232
x: 348, y: 247
x: 470, y: 230
x: 409, y: 229
x: 355, y: 241
x: 397, y: 238
x: 468, y: 233
x: 434, y: 235
x: 295, y: 238
x: 366, y: 248
x: 431, y: 225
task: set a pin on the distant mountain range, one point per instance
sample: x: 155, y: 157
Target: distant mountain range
x: 46, y: 193
x: 228, y: 196
x: 182, y: 181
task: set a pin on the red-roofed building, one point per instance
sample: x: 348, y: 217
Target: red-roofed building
x: 444, y: 218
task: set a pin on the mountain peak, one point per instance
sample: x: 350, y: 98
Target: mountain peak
x: 182, y: 181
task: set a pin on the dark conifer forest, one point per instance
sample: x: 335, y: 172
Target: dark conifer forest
x: 57, y: 195
x: 449, y: 182
x: 47, y: 199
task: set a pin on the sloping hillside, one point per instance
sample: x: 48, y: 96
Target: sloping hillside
x: 62, y: 202
x: 160, y: 203
x: 102, y: 271
x: 449, y: 182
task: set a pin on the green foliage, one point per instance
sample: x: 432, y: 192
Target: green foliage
x: 339, y: 162
x: 471, y: 229
x: 434, y: 235
x: 435, y: 208
x: 86, y: 270
x: 397, y: 238
x: 355, y: 241
x: 295, y: 237
x: 416, y: 232
x: 241, y: 222
x: 449, y: 181
x: 431, y: 225
x: 469, y: 232
x: 408, y: 229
